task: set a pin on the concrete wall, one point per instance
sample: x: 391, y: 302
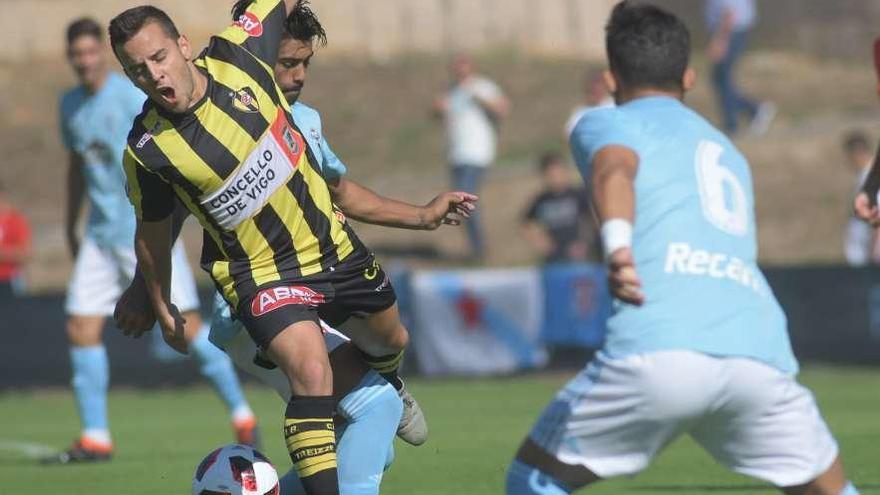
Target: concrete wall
x: 376, y: 28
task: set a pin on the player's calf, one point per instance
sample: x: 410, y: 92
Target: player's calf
x: 300, y: 352
x: 535, y: 471
x: 831, y: 482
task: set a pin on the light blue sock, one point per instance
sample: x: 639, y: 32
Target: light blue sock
x: 849, y: 490
x: 216, y: 366
x: 91, y: 376
x: 523, y: 479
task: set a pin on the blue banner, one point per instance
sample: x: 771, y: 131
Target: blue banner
x: 576, y: 305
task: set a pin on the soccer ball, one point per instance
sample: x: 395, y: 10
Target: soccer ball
x: 235, y: 470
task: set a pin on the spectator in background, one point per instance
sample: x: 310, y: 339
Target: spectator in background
x: 15, y: 246
x: 596, y: 95
x: 557, y: 222
x: 860, y: 242
x: 472, y: 110
x: 729, y: 23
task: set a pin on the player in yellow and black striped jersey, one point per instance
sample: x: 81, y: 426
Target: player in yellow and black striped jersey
x: 217, y: 135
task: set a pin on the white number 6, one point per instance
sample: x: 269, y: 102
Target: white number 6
x: 721, y: 193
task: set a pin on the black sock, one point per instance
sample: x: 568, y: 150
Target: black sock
x: 311, y: 443
x: 387, y: 366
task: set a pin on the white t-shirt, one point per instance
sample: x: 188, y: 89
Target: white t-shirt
x: 579, y: 112
x: 470, y: 130
x: 859, y: 237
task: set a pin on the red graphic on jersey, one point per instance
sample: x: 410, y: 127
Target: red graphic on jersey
x: 268, y: 300
x: 243, y: 473
x: 291, y: 142
x: 251, y: 24
x: 470, y: 309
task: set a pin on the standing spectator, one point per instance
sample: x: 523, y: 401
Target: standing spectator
x: 729, y: 23
x: 557, y: 221
x: 472, y: 109
x: 596, y: 95
x: 15, y: 246
x: 860, y: 242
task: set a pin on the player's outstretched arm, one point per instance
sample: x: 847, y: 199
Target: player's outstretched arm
x: 865, y: 204
x: 362, y: 204
x: 153, y: 249
x: 75, y: 195
x: 613, y: 179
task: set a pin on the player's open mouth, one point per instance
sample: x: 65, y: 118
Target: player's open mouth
x: 167, y: 94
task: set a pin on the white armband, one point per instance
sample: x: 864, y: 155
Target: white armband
x: 616, y: 233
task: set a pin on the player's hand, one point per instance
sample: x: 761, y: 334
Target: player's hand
x: 717, y: 50
x: 448, y: 209
x: 623, y: 280
x: 134, y: 313
x: 173, y: 330
x: 866, y: 210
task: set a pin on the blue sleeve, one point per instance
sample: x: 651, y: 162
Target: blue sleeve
x: 598, y: 129
x: 333, y: 168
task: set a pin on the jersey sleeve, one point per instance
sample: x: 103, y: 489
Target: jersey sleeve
x: 332, y: 168
x: 153, y: 198
x: 597, y: 129
x: 485, y: 89
x: 260, y: 29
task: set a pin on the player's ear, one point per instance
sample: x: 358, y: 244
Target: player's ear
x: 689, y: 79
x: 610, y: 81
x: 185, y: 47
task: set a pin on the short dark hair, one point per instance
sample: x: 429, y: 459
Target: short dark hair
x: 647, y: 47
x: 856, y: 141
x: 85, y: 26
x: 549, y: 159
x: 127, y: 24
x: 303, y: 25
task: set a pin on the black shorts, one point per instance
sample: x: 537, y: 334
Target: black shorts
x: 357, y: 286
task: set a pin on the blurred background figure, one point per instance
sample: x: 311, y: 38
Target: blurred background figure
x: 15, y: 246
x: 596, y: 95
x: 558, y: 223
x: 860, y: 241
x: 729, y: 23
x: 472, y: 109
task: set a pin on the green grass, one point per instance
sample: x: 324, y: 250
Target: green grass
x: 475, y: 428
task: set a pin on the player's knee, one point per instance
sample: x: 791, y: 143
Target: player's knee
x: 83, y: 332
x: 311, y: 376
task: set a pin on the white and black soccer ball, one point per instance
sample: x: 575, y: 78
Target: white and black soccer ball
x: 235, y: 470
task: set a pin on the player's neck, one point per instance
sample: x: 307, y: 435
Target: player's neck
x: 200, y: 85
x: 627, y: 96
x: 92, y: 88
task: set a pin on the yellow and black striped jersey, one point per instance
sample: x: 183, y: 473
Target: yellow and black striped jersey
x: 238, y: 162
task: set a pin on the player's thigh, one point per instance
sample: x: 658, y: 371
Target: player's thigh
x: 767, y: 426
x: 244, y: 353
x: 363, y: 290
x: 94, y: 285
x: 617, y: 414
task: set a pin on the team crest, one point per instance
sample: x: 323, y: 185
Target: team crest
x: 315, y: 134
x: 245, y: 101
x: 290, y: 140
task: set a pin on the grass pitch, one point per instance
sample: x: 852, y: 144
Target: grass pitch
x: 476, y: 426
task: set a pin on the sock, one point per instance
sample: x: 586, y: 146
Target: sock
x: 91, y: 375
x: 523, y: 479
x: 849, y: 490
x: 387, y: 366
x: 216, y: 366
x: 311, y: 442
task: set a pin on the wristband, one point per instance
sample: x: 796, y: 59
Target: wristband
x: 616, y: 234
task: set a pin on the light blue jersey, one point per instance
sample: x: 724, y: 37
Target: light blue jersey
x: 95, y: 127
x: 309, y: 122
x: 694, y: 238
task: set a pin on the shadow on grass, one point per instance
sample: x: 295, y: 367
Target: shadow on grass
x: 727, y: 489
